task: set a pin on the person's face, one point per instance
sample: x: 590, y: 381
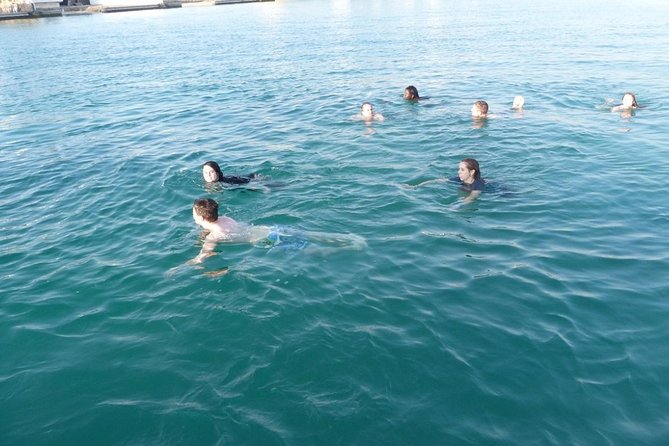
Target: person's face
x: 518, y: 102
x: 197, y: 218
x: 367, y: 110
x: 628, y: 100
x: 209, y: 174
x: 408, y: 94
x: 476, y: 111
x: 466, y: 175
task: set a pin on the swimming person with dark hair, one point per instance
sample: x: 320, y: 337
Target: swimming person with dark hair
x: 469, y: 178
x: 212, y: 173
x: 469, y: 175
x: 225, y: 229
x: 628, y: 103
x: 411, y: 93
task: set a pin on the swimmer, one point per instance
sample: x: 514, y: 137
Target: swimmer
x: 480, y: 109
x: 469, y: 179
x: 225, y: 229
x: 411, y: 93
x: 212, y: 173
x: 629, y: 103
x: 368, y: 114
x: 518, y: 103
x: 469, y: 175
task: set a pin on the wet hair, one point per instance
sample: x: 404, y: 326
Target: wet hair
x: 206, y: 208
x: 413, y: 92
x: 472, y: 164
x: 214, y: 165
x: 483, y: 106
x: 634, y: 104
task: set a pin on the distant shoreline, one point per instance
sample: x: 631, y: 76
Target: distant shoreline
x: 39, y: 9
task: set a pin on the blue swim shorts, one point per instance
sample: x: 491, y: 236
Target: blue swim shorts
x: 284, y: 238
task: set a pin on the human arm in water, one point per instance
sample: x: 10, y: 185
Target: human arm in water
x: 474, y: 189
x: 234, y: 232
x: 207, y: 250
x: 434, y: 181
x: 473, y: 195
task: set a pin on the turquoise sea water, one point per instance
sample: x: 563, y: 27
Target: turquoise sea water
x: 535, y: 315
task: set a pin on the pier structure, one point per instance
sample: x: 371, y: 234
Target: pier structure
x: 27, y: 9
x: 23, y: 9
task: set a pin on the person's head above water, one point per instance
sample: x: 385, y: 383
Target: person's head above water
x: 211, y: 172
x: 205, y: 208
x: 629, y: 101
x: 480, y: 109
x: 469, y: 171
x: 411, y: 93
x: 518, y: 102
x: 367, y: 110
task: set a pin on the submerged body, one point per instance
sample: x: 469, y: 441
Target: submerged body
x: 229, y: 230
x: 476, y: 185
x: 226, y: 229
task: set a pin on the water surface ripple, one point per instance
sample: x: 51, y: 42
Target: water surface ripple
x: 533, y: 315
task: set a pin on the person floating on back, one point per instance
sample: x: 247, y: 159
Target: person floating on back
x: 212, y: 173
